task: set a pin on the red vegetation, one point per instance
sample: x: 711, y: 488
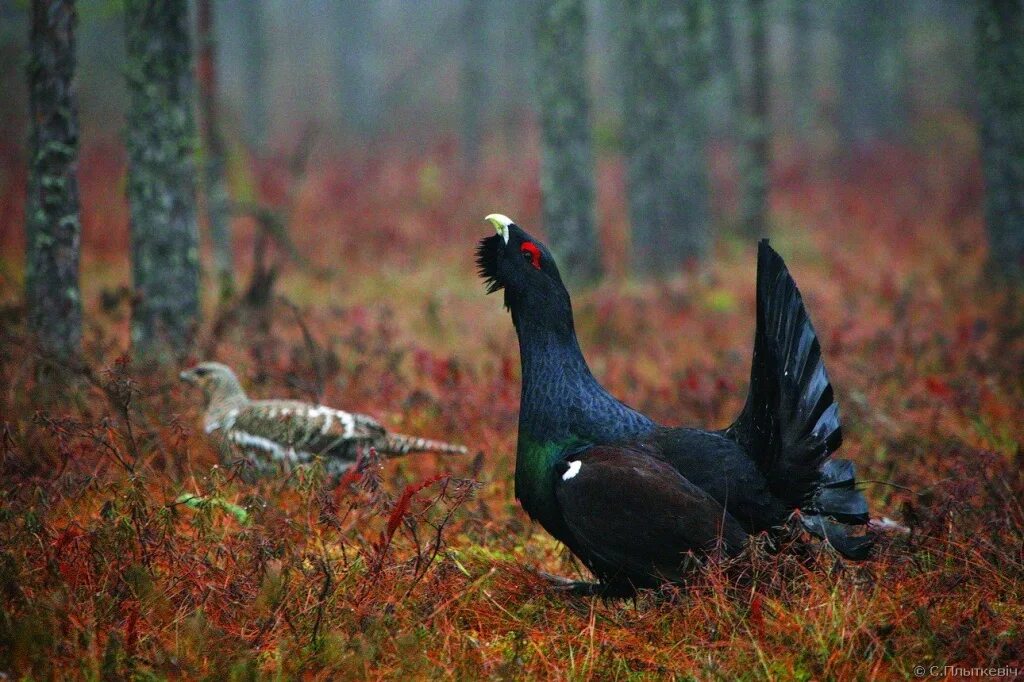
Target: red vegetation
x: 126, y: 551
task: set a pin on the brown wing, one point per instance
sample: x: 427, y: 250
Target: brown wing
x: 636, y: 517
x: 313, y: 429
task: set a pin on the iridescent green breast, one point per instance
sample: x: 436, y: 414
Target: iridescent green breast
x: 535, y: 485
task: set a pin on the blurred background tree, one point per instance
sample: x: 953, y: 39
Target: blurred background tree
x: 160, y: 137
x: 696, y: 111
x: 474, y: 82
x: 567, y: 159
x: 756, y: 155
x: 250, y: 26
x: 218, y: 209
x: 872, y: 71
x: 52, y: 226
x: 1000, y: 27
x: 666, y: 74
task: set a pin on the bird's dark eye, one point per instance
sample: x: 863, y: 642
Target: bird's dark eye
x: 531, y: 253
x: 199, y: 371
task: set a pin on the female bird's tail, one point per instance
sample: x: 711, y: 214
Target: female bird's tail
x: 790, y: 423
x: 400, y: 444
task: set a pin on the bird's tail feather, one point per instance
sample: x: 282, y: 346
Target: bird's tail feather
x: 401, y: 444
x: 790, y: 423
x: 836, y: 506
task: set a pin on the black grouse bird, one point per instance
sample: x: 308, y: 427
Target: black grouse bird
x: 635, y: 500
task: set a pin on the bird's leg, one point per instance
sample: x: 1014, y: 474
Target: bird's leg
x: 582, y: 588
x: 579, y: 588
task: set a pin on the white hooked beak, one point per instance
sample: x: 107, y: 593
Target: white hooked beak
x: 501, y: 223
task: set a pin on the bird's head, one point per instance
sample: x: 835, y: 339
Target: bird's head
x: 513, y: 261
x: 216, y: 380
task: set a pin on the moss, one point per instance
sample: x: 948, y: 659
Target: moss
x: 567, y: 159
x: 52, y: 204
x: 666, y: 167
x: 161, y: 140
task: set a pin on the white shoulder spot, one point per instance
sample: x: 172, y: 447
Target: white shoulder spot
x: 574, y: 468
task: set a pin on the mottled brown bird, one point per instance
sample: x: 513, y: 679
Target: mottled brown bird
x: 282, y: 433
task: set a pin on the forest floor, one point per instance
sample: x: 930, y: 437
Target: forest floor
x: 126, y: 552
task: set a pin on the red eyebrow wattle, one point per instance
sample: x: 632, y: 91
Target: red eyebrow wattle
x: 531, y: 248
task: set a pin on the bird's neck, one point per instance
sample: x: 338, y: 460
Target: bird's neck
x: 221, y: 403
x: 561, y: 399
x: 554, y: 373
x: 562, y: 406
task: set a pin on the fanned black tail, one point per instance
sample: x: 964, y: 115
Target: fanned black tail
x: 790, y: 423
x: 837, y: 505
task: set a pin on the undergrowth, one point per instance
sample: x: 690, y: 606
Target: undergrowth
x: 129, y: 550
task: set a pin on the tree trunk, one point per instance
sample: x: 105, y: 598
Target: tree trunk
x: 567, y: 161
x: 52, y: 223
x: 255, y: 74
x: 723, y: 54
x: 872, y: 67
x: 756, y: 155
x: 664, y: 136
x: 1000, y: 30
x: 218, y: 208
x: 474, y: 79
x: 161, y: 176
x: 356, y: 68
x: 801, y: 73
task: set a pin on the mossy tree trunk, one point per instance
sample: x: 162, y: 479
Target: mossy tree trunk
x: 218, y: 207
x: 52, y: 221
x: 666, y: 72
x: 567, y: 158
x: 161, y: 177
x: 1000, y: 30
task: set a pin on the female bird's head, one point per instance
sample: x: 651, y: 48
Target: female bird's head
x: 216, y: 380
x: 513, y: 261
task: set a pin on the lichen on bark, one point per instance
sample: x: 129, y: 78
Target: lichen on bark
x: 567, y: 159
x: 161, y: 188
x: 667, y: 74
x: 52, y: 224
